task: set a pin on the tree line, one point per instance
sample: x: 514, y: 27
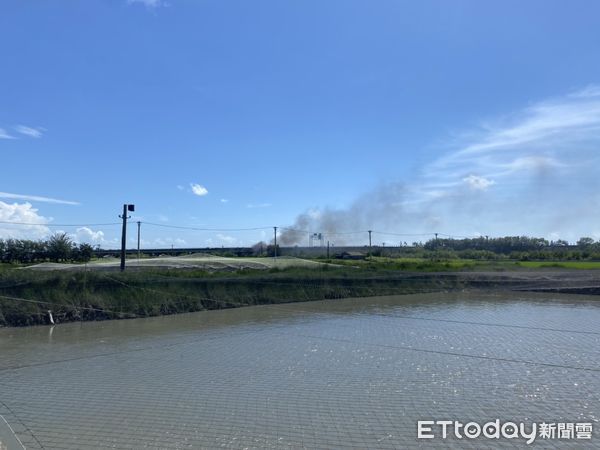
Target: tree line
x: 514, y: 247
x: 58, y: 248
x: 61, y: 248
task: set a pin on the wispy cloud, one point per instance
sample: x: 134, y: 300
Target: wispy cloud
x: 198, y: 189
x: 531, y: 163
x: 592, y: 90
x: 34, y: 132
x: 545, y: 133
x: 37, y: 198
x: 151, y: 4
x: 224, y: 200
x: 5, y: 135
x: 541, y: 162
x: 533, y: 171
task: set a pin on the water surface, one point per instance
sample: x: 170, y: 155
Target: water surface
x: 339, y: 373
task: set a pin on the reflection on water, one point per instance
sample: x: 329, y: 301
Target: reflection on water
x: 355, y: 372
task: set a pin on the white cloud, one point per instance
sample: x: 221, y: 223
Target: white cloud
x: 34, y: 132
x: 224, y: 200
x: 258, y: 205
x: 22, y: 213
x: 4, y: 134
x: 36, y: 198
x: 198, y: 189
x: 478, y: 183
x: 149, y: 3
x: 88, y: 236
x: 226, y: 239
x: 164, y: 242
x: 221, y: 239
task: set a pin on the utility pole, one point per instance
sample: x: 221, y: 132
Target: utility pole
x: 126, y: 208
x: 139, y: 224
x: 370, y: 231
x: 327, y: 249
x: 275, y: 241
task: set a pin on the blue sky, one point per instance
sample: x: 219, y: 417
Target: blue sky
x: 459, y: 117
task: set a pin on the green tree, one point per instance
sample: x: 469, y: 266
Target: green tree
x: 85, y: 252
x: 585, y: 242
x: 60, y: 247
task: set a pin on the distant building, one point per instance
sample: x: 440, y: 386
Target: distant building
x: 351, y: 255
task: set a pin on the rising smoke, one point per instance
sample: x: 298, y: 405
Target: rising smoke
x: 533, y: 173
x: 381, y: 208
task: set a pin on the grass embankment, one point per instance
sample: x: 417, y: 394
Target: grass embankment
x: 432, y: 265
x: 560, y: 264
x: 99, y: 295
x: 385, y: 264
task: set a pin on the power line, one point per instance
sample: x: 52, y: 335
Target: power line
x: 333, y: 233
x: 453, y: 236
x: 205, y: 229
x: 402, y: 234
x: 192, y: 228
x: 61, y: 224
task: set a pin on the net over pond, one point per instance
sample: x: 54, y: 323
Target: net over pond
x: 353, y: 373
